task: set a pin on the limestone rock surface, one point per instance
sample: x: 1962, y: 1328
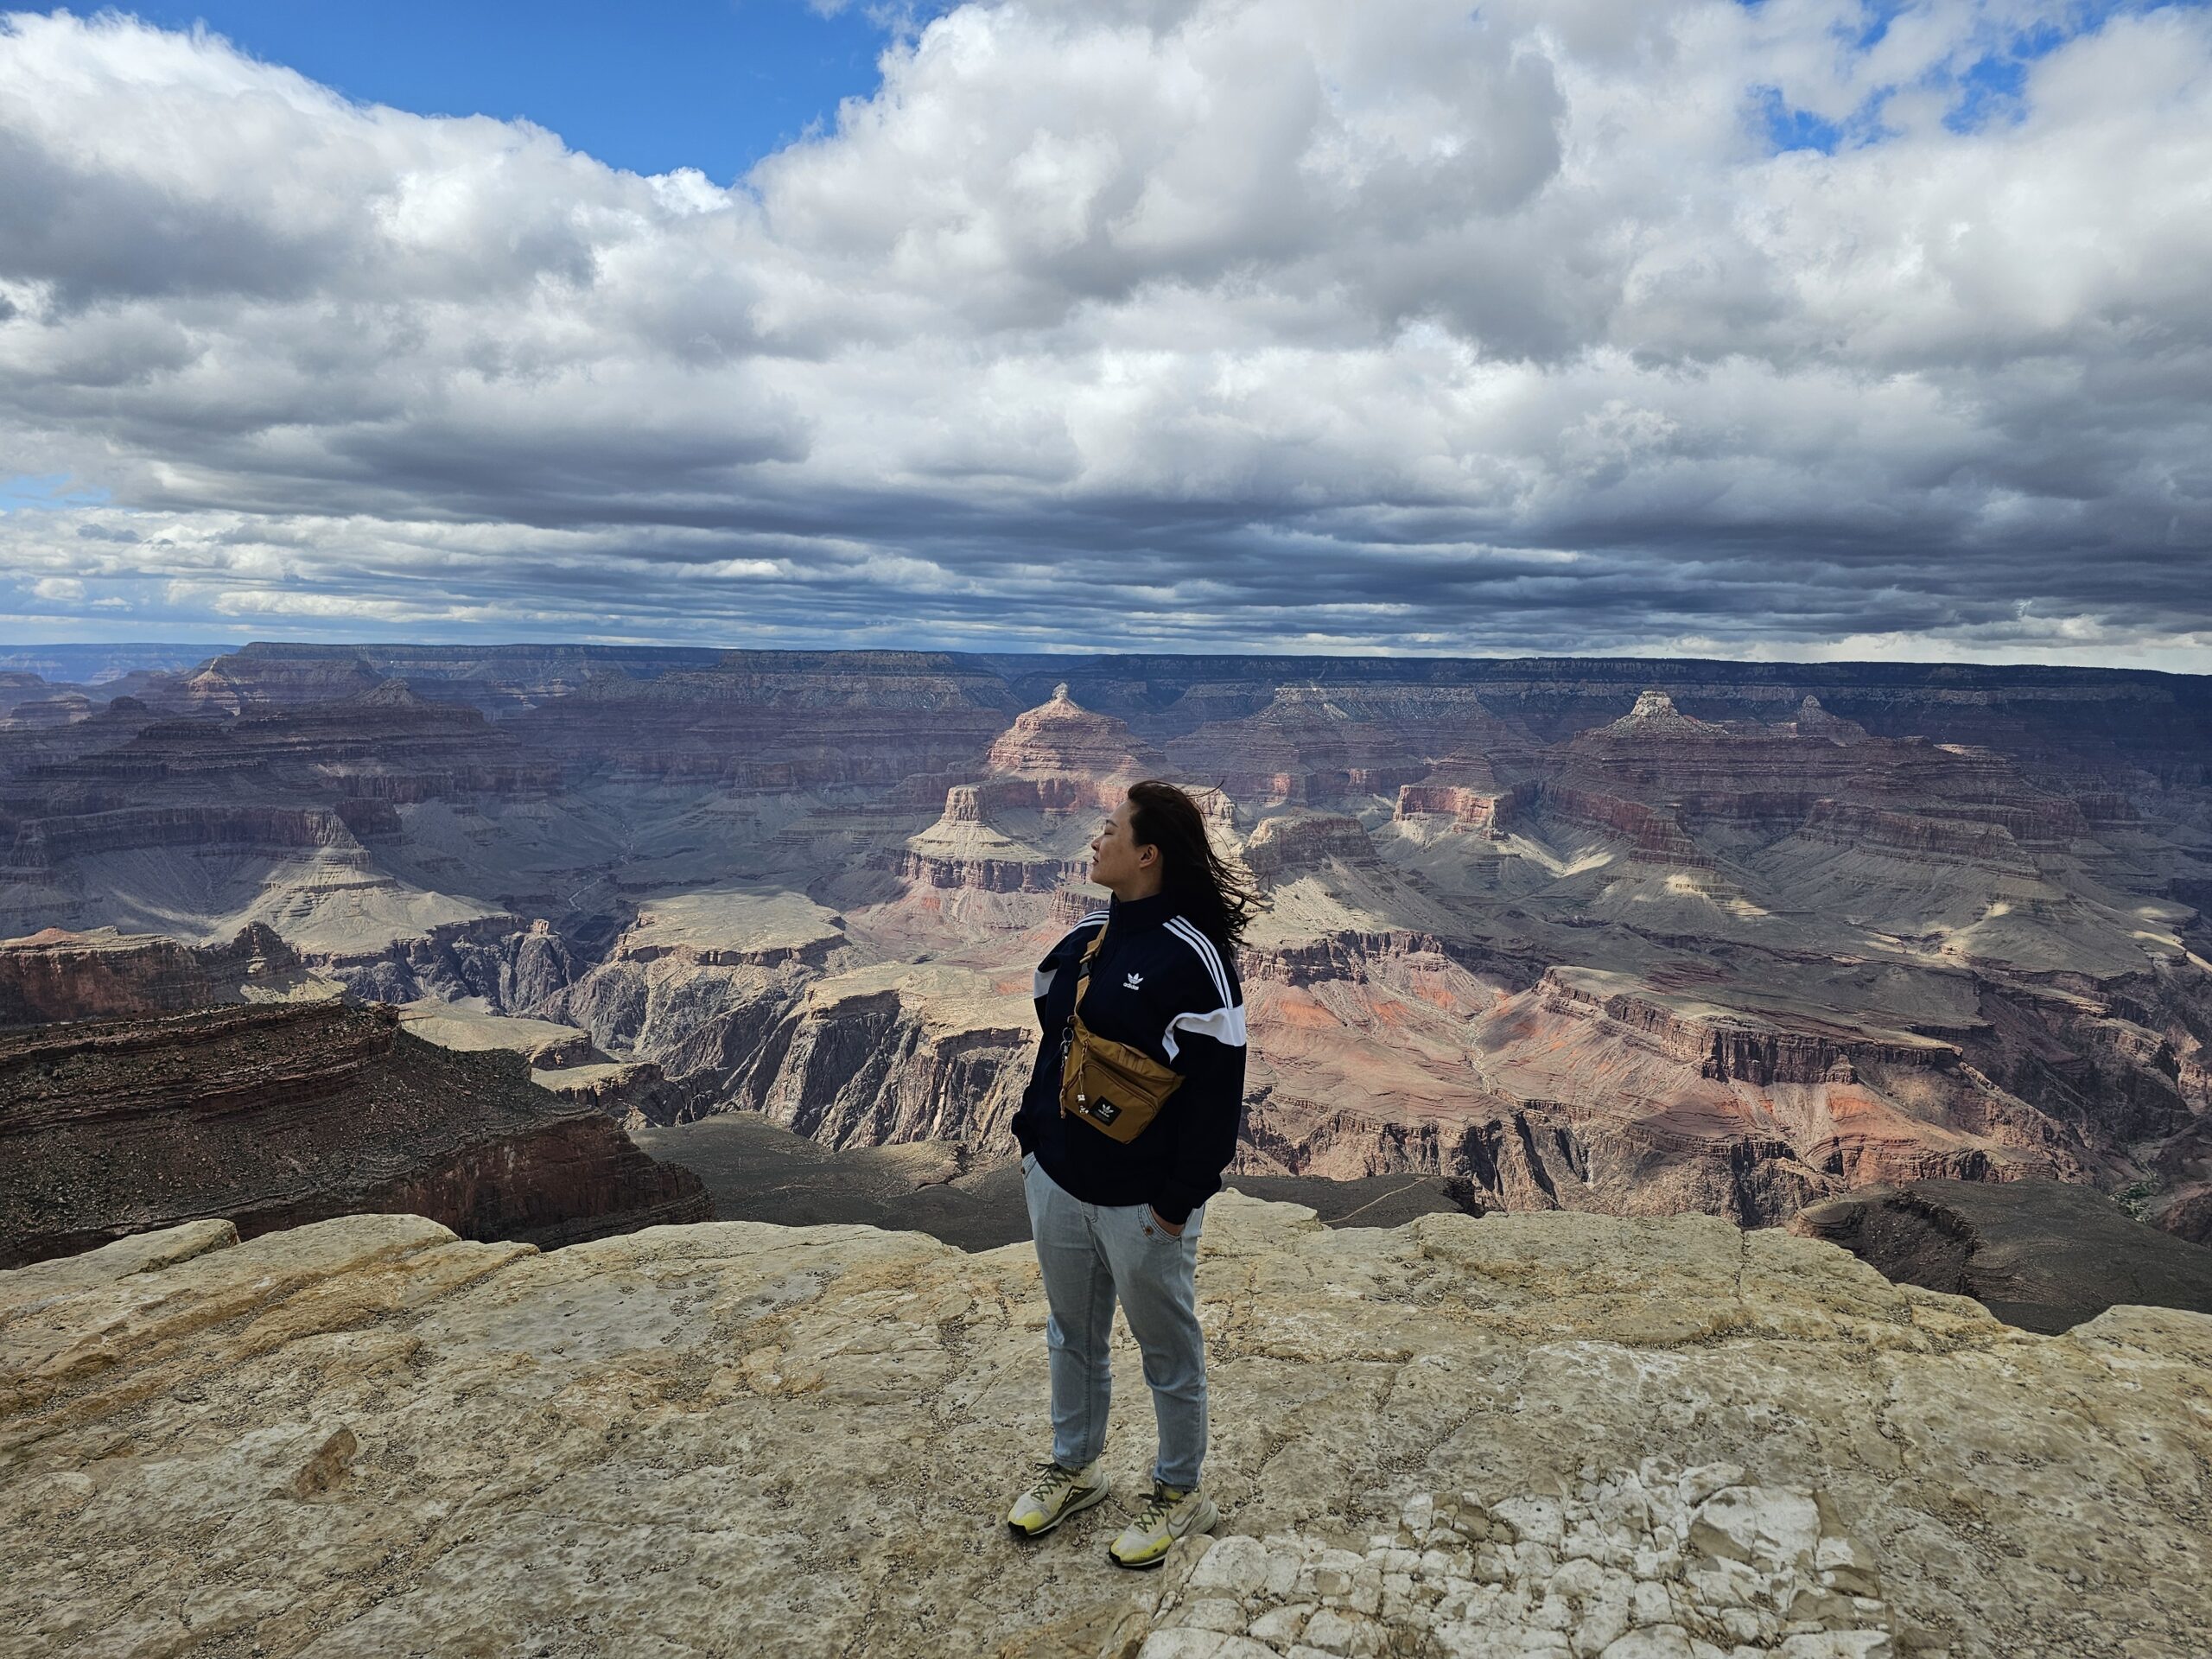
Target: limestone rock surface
x: 1570, y: 1435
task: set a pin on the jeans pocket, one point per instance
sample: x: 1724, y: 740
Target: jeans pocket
x: 1156, y: 1234
x: 1191, y: 1225
x: 1028, y: 1162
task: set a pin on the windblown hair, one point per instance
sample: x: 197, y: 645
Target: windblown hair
x: 1219, y: 899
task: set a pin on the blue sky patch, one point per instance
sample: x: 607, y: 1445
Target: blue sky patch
x: 26, y: 491
x: 1991, y: 89
x: 650, y: 86
x: 1788, y: 128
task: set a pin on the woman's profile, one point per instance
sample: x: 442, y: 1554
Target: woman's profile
x: 1131, y: 1115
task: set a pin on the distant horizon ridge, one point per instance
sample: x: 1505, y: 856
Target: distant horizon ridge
x: 18, y: 658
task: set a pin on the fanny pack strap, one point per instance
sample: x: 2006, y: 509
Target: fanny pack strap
x: 1082, y: 972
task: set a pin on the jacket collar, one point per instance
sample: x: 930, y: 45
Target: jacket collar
x: 1138, y: 915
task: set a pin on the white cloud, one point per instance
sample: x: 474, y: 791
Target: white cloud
x: 1169, y: 324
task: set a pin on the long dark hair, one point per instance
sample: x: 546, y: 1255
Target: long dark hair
x: 1219, y: 899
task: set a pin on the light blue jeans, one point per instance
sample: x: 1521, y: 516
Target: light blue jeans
x: 1089, y: 1254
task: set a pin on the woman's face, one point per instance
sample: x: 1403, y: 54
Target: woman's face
x: 1116, y: 861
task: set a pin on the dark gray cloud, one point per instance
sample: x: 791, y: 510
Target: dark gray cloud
x: 1219, y: 323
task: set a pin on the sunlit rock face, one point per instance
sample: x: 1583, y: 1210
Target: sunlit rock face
x: 57, y: 974
x: 1466, y: 789
x: 1520, y: 1435
x: 1060, y: 738
x: 1023, y: 829
x: 1611, y: 936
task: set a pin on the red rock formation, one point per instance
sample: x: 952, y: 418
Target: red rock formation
x: 1831, y: 863
x: 56, y: 975
x: 962, y: 850
x: 1465, y: 788
x: 1855, y: 1107
x: 1060, y: 739
x: 271, y: 1117
x: 1056, y: 770
x: 1656, y: 776
x: 1655, y: 833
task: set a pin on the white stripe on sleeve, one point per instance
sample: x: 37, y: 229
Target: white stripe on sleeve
x: 1224, y: 1026
x: 1198, y: 942
x: 1044, y: 978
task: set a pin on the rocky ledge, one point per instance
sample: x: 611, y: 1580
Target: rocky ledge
x: 1567, y: 1435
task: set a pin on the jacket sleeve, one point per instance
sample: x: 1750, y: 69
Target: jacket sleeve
x: 1062, y: 959
x: 1205, y: 1043
x: 1210, y: 1104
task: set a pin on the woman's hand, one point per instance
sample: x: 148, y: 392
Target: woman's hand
x: 1171, y: 1229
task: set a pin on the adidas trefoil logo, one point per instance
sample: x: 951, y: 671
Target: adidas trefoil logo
x: 1132, y: 982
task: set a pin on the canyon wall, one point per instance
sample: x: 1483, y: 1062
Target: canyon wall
x: 1610, y: 936
x: 266, y: 1117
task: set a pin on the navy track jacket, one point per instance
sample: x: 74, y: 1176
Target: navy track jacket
x: 1161, y: 985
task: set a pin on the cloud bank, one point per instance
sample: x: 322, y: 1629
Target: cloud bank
x: 1791, y: 329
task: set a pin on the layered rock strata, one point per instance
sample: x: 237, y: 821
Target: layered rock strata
x: 1861, y: 922
x: 1661, y: 1439
x: 270, y: 1116
x: 1304, y: 748
x: 1050, y: 776
x: 57, y: 975
x: 776, y: 721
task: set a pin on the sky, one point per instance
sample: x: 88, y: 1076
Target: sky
x: 1807, y: 329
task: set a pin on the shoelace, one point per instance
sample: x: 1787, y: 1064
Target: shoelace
x: 1164, y: 1499
x: 1051, y: 1481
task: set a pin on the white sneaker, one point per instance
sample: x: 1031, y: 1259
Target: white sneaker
x: 1056, y: 1494
x: 1171, y: 1514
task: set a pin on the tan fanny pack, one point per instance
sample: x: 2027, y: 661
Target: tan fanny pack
x: 1115, y: 1088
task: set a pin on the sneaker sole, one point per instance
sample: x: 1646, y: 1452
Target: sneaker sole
x: 1074, y: 1506
x: 1152, y: 1563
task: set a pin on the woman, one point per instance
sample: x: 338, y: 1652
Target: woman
x: 1117, y: 1216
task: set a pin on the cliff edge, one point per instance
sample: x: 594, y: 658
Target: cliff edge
x: 1569, y: 1435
